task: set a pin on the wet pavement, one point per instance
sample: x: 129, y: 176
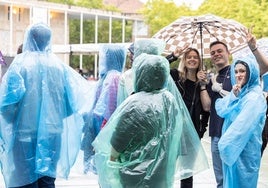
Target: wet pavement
x: 202, y: 180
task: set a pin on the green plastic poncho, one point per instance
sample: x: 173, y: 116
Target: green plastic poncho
x: 241, y: 140
x: 146, y: 130
x: 126, y: 82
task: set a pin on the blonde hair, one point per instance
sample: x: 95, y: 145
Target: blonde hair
x: 182, y: 68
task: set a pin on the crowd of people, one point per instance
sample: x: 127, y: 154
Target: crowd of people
x: 137, y: 128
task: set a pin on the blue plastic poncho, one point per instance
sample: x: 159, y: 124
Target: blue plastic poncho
x: 42, y: 102
x: 146, y: 131
x: 265, y: 82
x: 112, y: 59
x: 241, y: 140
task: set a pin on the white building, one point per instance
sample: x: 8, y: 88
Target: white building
x: 17, y: 15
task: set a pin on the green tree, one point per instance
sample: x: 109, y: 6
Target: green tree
x: 247, y: 12
x: 158, y: 17
x: 90, y: 4
x: 68, y: 2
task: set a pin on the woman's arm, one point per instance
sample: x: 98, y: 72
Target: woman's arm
x: 260, y: 57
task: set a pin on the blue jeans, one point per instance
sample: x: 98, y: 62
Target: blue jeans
x: 216, y: 160
x: 44, y: 182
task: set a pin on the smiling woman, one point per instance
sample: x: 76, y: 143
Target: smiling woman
x: 242, y: 127
x: 187, y: 83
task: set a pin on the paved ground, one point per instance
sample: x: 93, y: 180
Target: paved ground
x: 203, y: 180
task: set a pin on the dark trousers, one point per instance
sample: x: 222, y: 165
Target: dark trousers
x: 187, y: 183
x: 44, y: 182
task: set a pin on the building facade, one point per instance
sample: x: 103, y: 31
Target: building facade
x: 17, y: 15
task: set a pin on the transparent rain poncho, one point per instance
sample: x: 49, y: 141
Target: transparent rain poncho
x: 241, y: 140
x: 146, y: 130
x: 112, y: 58
x: 111, y: 64
x: 42, y: 104
x: 148, y: 46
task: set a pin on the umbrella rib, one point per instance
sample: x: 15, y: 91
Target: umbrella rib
x: 187, y: 29
x: 226, y: 28
x: 194, y: 36
x: 210, y: 32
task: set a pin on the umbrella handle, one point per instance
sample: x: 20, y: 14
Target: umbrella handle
x: 201, y: 38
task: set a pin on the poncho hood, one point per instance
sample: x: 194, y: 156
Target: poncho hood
x: 149, y: 46
x: 37, y: 38
x: 111, y: 57
x: 150, y: 72
x: 254, y: 73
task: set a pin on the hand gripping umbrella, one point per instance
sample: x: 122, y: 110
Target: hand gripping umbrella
x: 199, y: 31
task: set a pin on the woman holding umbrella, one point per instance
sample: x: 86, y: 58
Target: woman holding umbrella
x: 187, y: 83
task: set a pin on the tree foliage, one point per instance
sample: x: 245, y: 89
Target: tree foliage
x: 68, y: 2
x: 157, y: 17
x: 248, y: 12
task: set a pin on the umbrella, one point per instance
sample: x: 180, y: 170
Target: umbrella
x: 199, y: 31
x: 262, y: 44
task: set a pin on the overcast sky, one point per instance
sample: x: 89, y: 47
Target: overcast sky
x: 193, y: 3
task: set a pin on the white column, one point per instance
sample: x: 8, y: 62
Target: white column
x: 81, y: 39
x: 11, y: 30
x: 123, y: 30
x: 96, y: 42
x: 66, y: 36
x: 110, y: 29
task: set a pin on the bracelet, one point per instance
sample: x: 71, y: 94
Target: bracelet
x: 255, y: 49
x: 202, y: 84
x: 203, y: 89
